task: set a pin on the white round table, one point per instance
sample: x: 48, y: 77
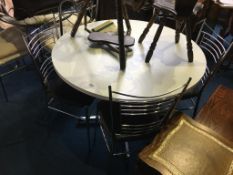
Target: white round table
x: 91, y: 69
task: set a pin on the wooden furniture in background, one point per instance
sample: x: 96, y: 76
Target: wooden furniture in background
x: 217, y: 113
x: 204, y: 146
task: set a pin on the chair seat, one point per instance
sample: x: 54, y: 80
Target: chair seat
x: 188, y: 147
x: 11, y: 44
x: 41, y: 19
x: 166, y: 4
x: 11, y: 57
x: 38, y: 19
x: 177, y: 7
x: 109, y: 38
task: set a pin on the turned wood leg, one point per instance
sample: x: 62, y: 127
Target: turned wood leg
x: 120, y: 34
x: 155, y: 40
x: 126, y: 17
x: 146, y: 30
x: 178, y: 27
x: 189, y: 38
x: 79, y: 19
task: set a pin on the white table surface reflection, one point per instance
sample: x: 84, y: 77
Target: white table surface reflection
x: 91, y: 69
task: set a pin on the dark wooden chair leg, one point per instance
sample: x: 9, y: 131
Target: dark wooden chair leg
x: 189, y: 37
x: 120, y: 34
x: 178, y: 27
x: 196, y: 106
x: 146, y: 30
x: 155, y: 40
x: 126, y: 17
x: 79, y: 19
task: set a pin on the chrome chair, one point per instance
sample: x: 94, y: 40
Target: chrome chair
x: 61, y: 97
x: 216, y: 49
x: 181, y: 10
x: 12, y: 43
x: 136, y: 117
x: 12, y: 47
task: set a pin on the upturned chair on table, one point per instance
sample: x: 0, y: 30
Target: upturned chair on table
x: 181, y: 10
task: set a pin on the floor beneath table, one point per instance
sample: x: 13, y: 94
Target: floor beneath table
x: 31, y: 147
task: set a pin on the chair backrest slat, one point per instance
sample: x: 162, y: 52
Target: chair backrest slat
x: 39, y: 43
x: 215, y: 48
x: 142, y: 115
x: 212, y: 45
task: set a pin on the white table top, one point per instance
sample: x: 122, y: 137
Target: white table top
x: 224, y: 3
x: 91, y: 69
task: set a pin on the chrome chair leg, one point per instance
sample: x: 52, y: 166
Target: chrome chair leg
x: 4, y: 90
x: 88, y: 129
x: 127, y: 149
x: 196, y: 106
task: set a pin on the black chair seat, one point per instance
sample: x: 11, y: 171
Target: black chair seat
x: 177, y: 7
x: 166, y: 4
